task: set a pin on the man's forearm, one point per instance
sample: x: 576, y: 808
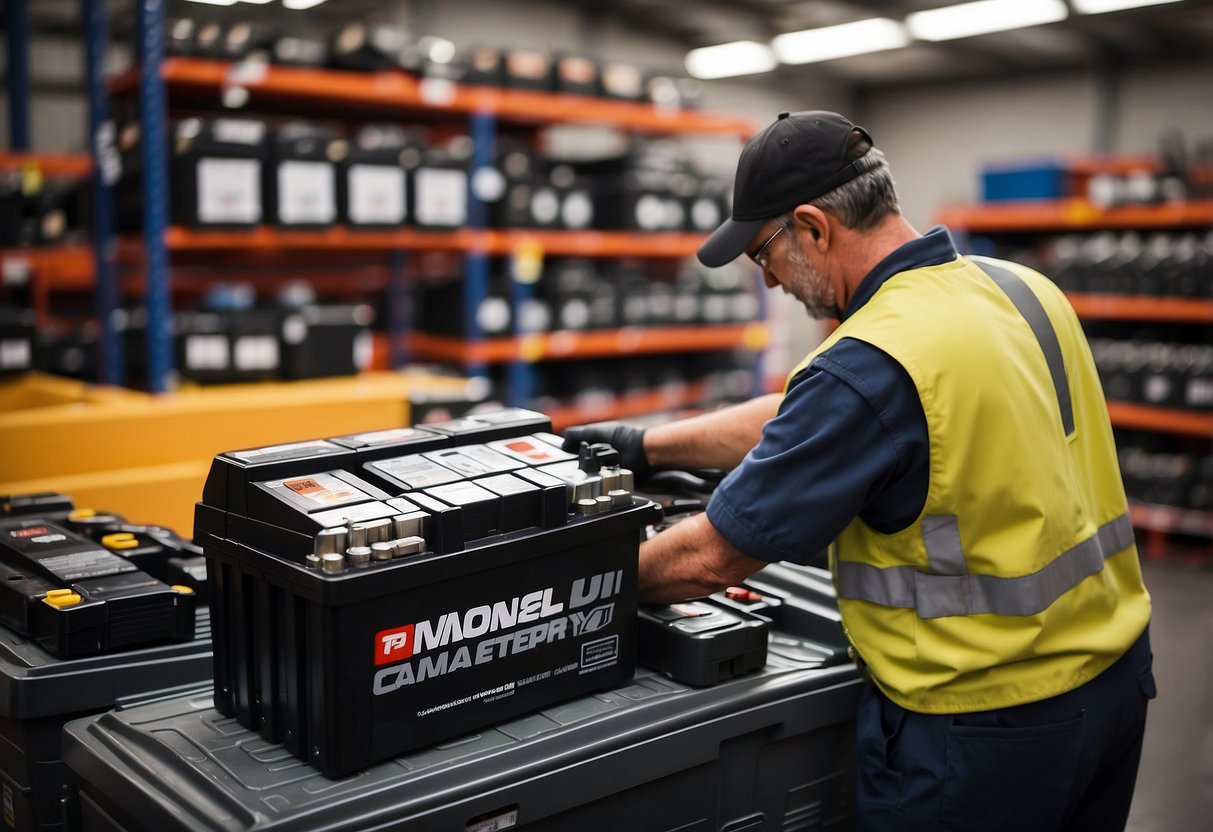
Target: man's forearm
x: 690, y: 560
x: 719, y: 439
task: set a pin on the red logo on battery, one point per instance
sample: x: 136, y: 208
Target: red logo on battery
x: 31, y: 531
x: 394, y: 645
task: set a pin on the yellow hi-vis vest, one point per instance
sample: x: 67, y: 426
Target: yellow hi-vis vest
x: 1020, y: 579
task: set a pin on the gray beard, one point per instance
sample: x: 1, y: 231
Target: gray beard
x: 810, y: 289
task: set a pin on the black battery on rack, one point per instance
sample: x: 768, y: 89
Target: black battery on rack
x: 578, y: 75
x: 303, y: 182
x: 529, y: 69
x: 364, y: 605
x: 369, y: 47
x: 701, y: 643
x: 218, y: 167
x: 318, y: 340
x: 18, y: 332
x: 485, y: 67
x: 374, y: 178
x: 439, y: 197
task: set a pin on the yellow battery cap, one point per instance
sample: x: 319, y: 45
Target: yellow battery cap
x: 119, y: 541
x: 183, y: 589
x: 60, y: 598
x: 82, y: 514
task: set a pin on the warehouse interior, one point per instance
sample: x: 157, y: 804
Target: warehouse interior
x: 187, y: 270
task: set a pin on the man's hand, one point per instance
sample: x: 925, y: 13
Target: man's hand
x: 626, y: 438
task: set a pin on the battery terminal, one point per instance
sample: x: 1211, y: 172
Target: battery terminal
x: 119, y: 541
x: 60, y: 598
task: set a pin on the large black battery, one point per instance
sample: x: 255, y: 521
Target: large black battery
x: 366, y: 605
x: 217, y: 168
x: 303, y: 193
x: 374, y: 178
x: 774, y: 748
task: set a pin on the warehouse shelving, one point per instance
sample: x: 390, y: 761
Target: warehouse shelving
x: 200, y: 83
x: 1028, y: 219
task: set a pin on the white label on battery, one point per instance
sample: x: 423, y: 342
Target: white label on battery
x: 649, y: 213
x: 15, y: 354
x: 705, y: 214
x: 256, y: 352
x: 505, y: 820
x: 441, y: 196
x: 206, y: 352
x: 529, y: 449
x: 239, y: 131
x: 545, y: 206
x: 278, y: 453
x: 474, y: 460
x: 461, y: 493
x: 229, y: 190
x: 386, y: 437
x: 307, y: 193
x: 506, y: 484
x: 94, y: 563
x: 602, y: 651
x: 377, y: 194
x: 416, y: 471
x: 577, y: 212
x: 358, y: 513
x: 322, y: 490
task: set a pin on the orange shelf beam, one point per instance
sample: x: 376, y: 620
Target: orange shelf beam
x: 554, y: 346
x: 398, y: 91
x: 1134, y: 308
x: 54, y: 165
x: 1073, y: 214
x: 69, y: 267
x: 1141, y: 417
x: 624, y: 407
x: 497, y: 242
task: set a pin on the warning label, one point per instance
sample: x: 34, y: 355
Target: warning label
x: 321, y: 490
x: 596, y: 653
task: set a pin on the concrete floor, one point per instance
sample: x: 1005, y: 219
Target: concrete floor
x: 1175, y: 782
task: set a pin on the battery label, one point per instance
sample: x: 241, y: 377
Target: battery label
x: 358, y: 513
x: 411, y: 653
x: 530, y: 449
x: 504, y: 820
x: 281, y: 453
x: 415, y: 471
x: 390, y: 436
x: 66, y: 556
x: 319, y: 490
x: 474, y: 460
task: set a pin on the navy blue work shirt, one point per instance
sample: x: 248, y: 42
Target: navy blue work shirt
x: 850, y: 439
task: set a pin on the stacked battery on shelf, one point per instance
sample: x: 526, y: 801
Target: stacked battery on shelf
x: 373, y: 594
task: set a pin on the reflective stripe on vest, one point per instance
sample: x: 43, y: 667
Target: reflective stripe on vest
x: 1030, y: 308
x: 939, y: 595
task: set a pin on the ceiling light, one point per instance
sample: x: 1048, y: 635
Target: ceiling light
x: 874, y: 35
x: 300, y: 5
x: 983, y: 17
x: 255, y: 2
x: 742, y: 57
x: 215, y: 2
x: 1101, y: 6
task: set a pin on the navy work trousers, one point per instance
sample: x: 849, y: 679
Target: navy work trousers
x: 1067, y: 763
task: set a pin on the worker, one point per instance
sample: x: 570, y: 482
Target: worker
x: 950, y: 444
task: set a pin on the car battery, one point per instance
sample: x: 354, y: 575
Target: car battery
x: 633, y: 201
x: 528, y: 69
x: 575, y: 198
x: 209, y: 40
x: 774, y: 745
x: 179, y: 36
x: 439, y: 196
x: 330, y: 340
x: 304, y: 176
x: 369, y: 47
x: 245, y: 40
x: 298, y: 50
x: 441, y: 303
x: 708, y: 208
x: 485, y: 67
x: 374, y: 177
x: 700, y: 643
x: 39, y: 691
x: 18, y: 331
x: 577, y: 75
x: 354, y: 622
x: 623, y: 81
x: 217, y: 168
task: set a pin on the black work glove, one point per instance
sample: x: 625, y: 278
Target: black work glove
x: 626, y: 438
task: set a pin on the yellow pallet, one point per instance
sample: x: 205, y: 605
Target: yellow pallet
x: 146, y: 456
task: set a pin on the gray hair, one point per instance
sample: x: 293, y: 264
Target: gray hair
x: 864, y: 201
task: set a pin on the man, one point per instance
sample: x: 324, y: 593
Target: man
x: 951, y: 440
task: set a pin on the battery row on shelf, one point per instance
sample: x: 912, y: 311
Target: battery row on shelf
x: 1161, y: 374
x: 1162, y: 264
x: 238, y: 173
x: 384, y: 47
x: 1181, y: 479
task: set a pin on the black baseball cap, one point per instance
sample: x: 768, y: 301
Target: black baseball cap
x: 797, y: 159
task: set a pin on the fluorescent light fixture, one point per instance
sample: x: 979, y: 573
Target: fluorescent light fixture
x: 255, y: 2
x: 812, y: 45
x: 742, y: 57
x: 300, y: 5
x: 215, y: 2
x: 981, y: 18
x: 1101, y: 6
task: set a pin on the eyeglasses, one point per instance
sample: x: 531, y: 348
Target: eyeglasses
x: 759, y: 256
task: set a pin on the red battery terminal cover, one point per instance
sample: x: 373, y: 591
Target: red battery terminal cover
x: 742, y: 595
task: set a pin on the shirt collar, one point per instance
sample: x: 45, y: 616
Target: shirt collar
x: 931, y: 249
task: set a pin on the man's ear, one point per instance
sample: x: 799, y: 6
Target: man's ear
x: 816, y: 222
